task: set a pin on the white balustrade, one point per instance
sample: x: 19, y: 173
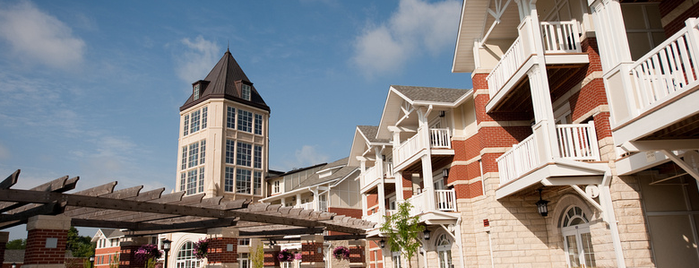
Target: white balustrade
x: 418, y: 201
x: 446, y: 200
x: 440, y: 138
x: 323, y: 205
x: 665, y: 71
x: 560, y: 36
x: 575, y: 142
x: 307, y: 205
x: 375, y: 217
x: 522, y: 158
x: 578, y: 141
x: 509, y: 63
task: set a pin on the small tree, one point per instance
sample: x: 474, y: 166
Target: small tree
x: 258, y: 256
x: 403, y: 231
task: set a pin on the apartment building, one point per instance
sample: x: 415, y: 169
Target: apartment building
x: 107, y: 247
x: 577, y: 145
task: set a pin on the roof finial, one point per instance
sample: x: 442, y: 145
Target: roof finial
x: 228, y: 48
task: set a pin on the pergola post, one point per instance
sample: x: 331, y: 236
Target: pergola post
x: 46, y: 241
x: 4, y: 238
x: 223, y: 247
x: 129, y: 246
x: 312, y: 251
x: 271, y: 259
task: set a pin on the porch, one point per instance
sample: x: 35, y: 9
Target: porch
x: 410, y: 151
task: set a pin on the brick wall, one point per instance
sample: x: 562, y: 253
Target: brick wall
x: 37, y: 253
x: 666, y: 7
x: 271, y: 259
x: 310, y: 252
x: 218, y: 250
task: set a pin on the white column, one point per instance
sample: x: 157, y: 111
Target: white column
x: 426, y: 159
x: 397, y: 175
x: 298, y: 199
x: 365, y: 205
x: 283, y: 201
x: 610, y: 32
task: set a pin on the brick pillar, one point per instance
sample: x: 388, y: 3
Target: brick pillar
x: 129, y: 246
x: 4, y: 237
x: 357, y: 258
x: 46, y: 241
x: 271, y: 259
x: 312, y: 251
x: 223, y: 247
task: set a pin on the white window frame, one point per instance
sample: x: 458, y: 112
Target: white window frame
x: 246, y: 92
x: 578, y: 231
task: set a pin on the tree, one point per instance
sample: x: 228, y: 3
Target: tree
x: 403, y: 231
x: 16, y: 244
x: 258, y: 256
x: 80, y: 245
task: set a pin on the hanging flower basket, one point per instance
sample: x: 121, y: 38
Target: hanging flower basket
x: 147, y: 252
x: 201, y: 248
x: 286, y: 255
x: 341, y: 253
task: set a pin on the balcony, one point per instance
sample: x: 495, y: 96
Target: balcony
x: 377, y: 217
x: 372, y: 176
x: 307, y: 205
x: 659, y: 97
x: 561, y: 45
x: 445, y: 200
x: 574, y: 141
x: 439, y: 138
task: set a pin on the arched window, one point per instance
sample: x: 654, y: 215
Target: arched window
x: 444, y: 251
x: 577, y: 240
x: 186, y: 258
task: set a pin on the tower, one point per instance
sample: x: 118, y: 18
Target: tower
x: 223, y: 136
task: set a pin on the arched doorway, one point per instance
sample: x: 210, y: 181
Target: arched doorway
x: 577, y: 240
x: 185, y: 256
x: 444, y: 251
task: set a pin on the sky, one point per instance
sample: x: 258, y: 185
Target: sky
x: 93, y: 88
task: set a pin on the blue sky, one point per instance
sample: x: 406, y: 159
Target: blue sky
x: 93, y: 88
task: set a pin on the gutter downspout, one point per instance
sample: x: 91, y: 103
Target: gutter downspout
x: 605, y: 198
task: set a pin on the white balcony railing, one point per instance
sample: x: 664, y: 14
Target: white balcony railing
x: 556, y: 37
x: 418, y: 201
x: 440, y: 138
x: 446, y: 200
x: 665, y: 71
x: 375, y: 217
x: 575, y: 142
x: 307, y: 205
x: 578, y: 141
x: 522, y: 158
x: 370, y: 175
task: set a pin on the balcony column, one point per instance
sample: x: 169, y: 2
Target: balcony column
x: 298, y: 200
x: 426, y: 159
x: 365, y: 204
x: 315, y: 202
x: 397, y: 174
x: 544, y: 129
x: 378, y: 166
x: 611, y: 39
x: 283, y: 201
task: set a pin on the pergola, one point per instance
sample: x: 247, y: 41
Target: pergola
x: 144, y: 213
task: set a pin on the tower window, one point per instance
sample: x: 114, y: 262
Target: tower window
x: 245, y: 92
x: 257, y: 183
x: 195, y: 92
x: 230, y: 149
x: 244, y: 121
x: 228, y: 183
x: 243, y: 154
x: 258, y: 156
x: 258, y: 124
x: 242, y: 181
x: 230, y: 117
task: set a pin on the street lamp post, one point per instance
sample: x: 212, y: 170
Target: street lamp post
x: 92, y: 261
x: 166, y: 248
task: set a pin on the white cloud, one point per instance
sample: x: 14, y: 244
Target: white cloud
x: 39, y: 37
x: 416, y: 26
x: 308, y: 155
x: 196, y: 61
x: 4, y: 153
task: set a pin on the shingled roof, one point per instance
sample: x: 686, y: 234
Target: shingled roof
x: 342, y: 172
x: 370, y: 133
x: 225, y: 81
x: 431, y: 94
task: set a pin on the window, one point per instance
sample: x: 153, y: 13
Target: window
x: 245, y: 92
x: 244, y: 121
x: 276, y: 188
x: 194, y: 126
x: 230, y: 148
x: 191, y: 168
x: 257, y: 183
x: 230, y: 117
x: 577, y: 239
x: 243, y: 241
x: 186, y: 257
x: 203, y: 117
x: 195, y: 93
x: 243, y: 260
x: 186, y: 125
x: 228, y: 183
x: 243, y: 155
x: 444, y: 251
x: 258, y: 156
x: 242, y: 181
x: 395, y: 257
x: 113, y: 242
x: 258, y: 124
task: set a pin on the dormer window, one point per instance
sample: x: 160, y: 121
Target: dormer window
x: 195, y: 92
x: 245, y: 92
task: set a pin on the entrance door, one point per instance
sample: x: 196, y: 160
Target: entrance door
x: 444, y: 251
x: 577, y: 239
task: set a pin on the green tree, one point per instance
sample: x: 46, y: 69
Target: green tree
x: 258, y: 256
x: 16, y: 244
x: 403, y: 231
x: 81, y: 246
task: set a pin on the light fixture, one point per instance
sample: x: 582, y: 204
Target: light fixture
x: 14, y: 265
x: 426, y: 234
x: 442, y: 113
x: 91, y: 259
x: 382, y: 243
x: 542, y: 206
x: 166, y: 247
x: 445, y: 172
